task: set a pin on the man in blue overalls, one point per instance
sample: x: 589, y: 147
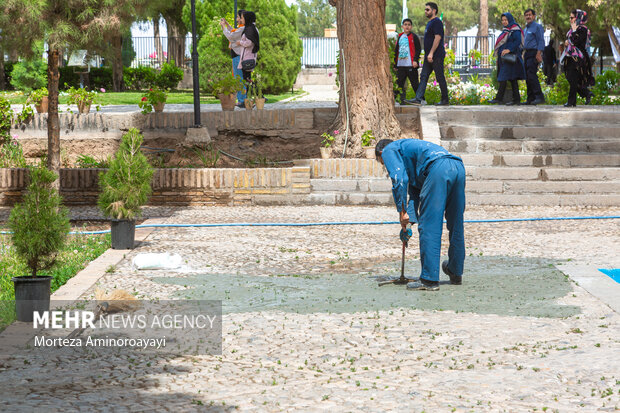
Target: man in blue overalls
x: 435, y: 182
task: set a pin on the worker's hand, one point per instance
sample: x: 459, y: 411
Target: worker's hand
x: 404, y: 219
x: 405, y: 234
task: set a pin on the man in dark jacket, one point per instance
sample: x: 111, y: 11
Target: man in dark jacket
x: 406, y: 59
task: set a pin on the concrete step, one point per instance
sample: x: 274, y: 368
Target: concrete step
x: 529, y: 116
x: 536, y: 188
x: 542, y: 174
x: 518, y: 132
x: 551, y: 160
x: 350, y: 185
x: 540, y: 147
x: 473, y: 198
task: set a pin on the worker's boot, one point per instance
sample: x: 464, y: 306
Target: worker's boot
x: 454, y: 279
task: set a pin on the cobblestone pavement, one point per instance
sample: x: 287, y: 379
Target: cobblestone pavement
x: 397, y: 359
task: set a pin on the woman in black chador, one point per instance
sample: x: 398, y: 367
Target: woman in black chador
x: 576, y: 59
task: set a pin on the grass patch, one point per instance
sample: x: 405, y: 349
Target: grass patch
x: 132, y: 98
x: 79, y: 251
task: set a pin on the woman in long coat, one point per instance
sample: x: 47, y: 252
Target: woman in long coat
x: 576, y: 59
x: 510, y: 41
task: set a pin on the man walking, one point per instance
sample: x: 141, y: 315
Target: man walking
x: 434, y: 53
x: 534, y: 46
x: 434, y: 179
x: 406, y: 59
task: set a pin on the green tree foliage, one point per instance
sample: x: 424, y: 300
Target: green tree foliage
x: 214, y: 60
x: 314, y: 16
x: 457, y: 15
x: 126, y: 185
x: 30, y: 74
x: 40, y: 224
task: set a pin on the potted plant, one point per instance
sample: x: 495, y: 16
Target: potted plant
x: 326, y: 143
x: 225, y: 89
x: 39, y: 99
x: 125, y: 187
x: 259, y: 98
x: 83, y: 98
x: 39, y: 225
x: 154, y: 99
x: 368, y: 143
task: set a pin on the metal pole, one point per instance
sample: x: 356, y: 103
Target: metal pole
x: 195, y: 68
x: 235, y: 18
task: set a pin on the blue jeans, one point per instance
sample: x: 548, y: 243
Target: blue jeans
x: 443, y: 190
x: 427, y: 69
x: 238, y: 72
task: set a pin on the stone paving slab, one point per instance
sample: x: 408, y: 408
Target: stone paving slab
x: 398, y: 359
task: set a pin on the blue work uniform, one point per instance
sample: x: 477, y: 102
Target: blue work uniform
x: 434, y: 179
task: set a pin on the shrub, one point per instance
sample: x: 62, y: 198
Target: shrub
x: 169, y: 76
x: 40, y: 224
x: 606, y: 83
x: 139, y: 78
x: 558, y: 94
x: 6, y: 118
x: 126, y: 186
x: 29, y: 74
x: 12, y: 154
x: 8, y: 68
x: 97, y: 77
x: 214, y: 56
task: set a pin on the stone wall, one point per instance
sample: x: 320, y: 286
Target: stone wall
x: 178, y: 186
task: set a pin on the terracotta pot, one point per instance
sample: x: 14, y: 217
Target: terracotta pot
x: 326, y: 153
x: 42, y: 107
x: 369, y: 151
x: 227, y: 101
x: 260, y: 103
x: 249, y: 103
x: 159, y: 107
x: 84, y: 108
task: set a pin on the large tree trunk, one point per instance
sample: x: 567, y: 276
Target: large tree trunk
x: 365, y: 78
x: 483, y: 31
x: 176, y: 44
x: 159, y: 50
x: 117, y: 62
x: 53, y: 123
x: 616, y: 43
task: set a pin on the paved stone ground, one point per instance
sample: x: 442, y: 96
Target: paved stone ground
x: 397, y: 359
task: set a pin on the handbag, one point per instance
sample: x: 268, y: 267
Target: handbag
x: 248, y: 65
x: 509, y: 58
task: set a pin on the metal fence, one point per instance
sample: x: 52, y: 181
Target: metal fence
x: 143, y: 51
x: 319, y: 51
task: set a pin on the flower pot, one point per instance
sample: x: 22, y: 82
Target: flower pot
x: 84, y: 107
x: 159, y: 107
x: 123, y: 234
x: 227, y: 101
x: 326, y: 153
x: 31, y: 294
x: 43, y: 105
x: 369, y: 151
x: 249, y: 103
x: 260, y: 103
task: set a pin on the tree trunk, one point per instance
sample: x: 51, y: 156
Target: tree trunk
x: 616, y: 43
x: 159, y: 51
x: 176, y: 44
x: 53, y: 123
x: 483, y: 30
x: 2, y: 82
x: 117, y: 62
x: 365, y: 66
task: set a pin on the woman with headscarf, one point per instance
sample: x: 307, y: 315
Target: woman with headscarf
x: 233, y: 36
x: 576, y: 59
x: 250, y: 43
x: 511, y: 41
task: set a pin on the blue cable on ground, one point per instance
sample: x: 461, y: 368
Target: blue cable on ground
x: 316, y: 224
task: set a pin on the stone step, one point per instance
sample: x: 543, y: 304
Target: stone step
x: 351, y: 185
x: 542, y: 174
x: 539, y: 147
x: 551, y: 160
x: 518, y: 132
x: 528, y: 116
x: 542, y: 187
x: 541, y: 199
